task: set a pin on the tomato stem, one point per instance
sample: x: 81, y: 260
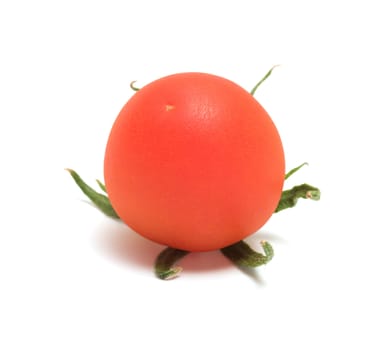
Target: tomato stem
x: 242, y: 254
x: 164, y: 264
x: 267, y: 75
x: 289, y: 197
x: 100, y: 200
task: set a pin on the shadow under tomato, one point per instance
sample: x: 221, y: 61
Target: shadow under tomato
x: 122, y: 243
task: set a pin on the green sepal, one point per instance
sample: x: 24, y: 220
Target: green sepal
x: 101, y: 201
x: 164, y: 264
x: 134, y: 88
x: 254, y: 89
x: 242, y: 254
x: 289, y: 197
x: 101, y: 186
x: 292, y: 171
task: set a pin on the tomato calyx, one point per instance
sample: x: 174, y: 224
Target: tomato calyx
x: 240, y: 253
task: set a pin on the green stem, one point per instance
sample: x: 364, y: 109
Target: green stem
x: 100, y: 200
x: 289, y: 197
x: 252, y: 92
x: 164, y: 264
x: 242, y: 254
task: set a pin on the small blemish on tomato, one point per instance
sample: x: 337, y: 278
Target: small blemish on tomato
x: 169, y: 107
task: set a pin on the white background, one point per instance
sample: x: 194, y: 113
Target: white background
x: 74, y: 279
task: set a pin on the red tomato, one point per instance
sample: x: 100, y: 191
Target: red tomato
x: 194, y: 162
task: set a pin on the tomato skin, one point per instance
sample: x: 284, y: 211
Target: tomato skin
x: 194, y: 162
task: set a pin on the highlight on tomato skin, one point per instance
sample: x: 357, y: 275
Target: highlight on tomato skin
x: 194, y: 162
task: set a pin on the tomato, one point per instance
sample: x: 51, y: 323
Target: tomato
x: 194, y: 162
